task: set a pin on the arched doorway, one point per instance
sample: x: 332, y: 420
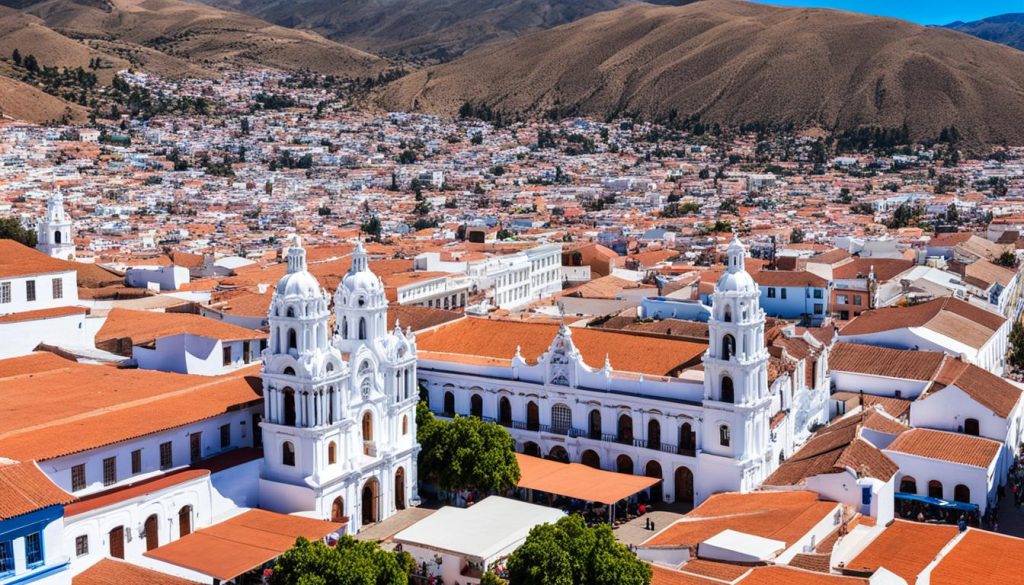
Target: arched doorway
x: 152, y: 528
x: 653, y: 434
x: 684, y: 485
x: 449, y: 404
x: 962, y: 493
x: 908, y: 485
x: 595, y: 424
x: 728, y: 346
x: 532, y: 416
x: 728, y: 393
x: 56, y: 237
x: 558, y: 453
x: 116, y: 539
x: 400, y: 489
x: 971, y: 427
x: 935, y: 489
x: 371, y: 492
x: 687, y: 440
x: 624, y: 433
x: 590, y: 458
x: 623, y: 464
x: 338, y: 509
x: 476, y: 406
x: 653, y: 469
x: 532, y: 449
x: 184, y: 521
x: 504, y: 411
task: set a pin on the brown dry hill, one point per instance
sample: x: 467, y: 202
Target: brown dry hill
x: 423, y: 29
x: 732, y: 62
x: 23, y: 102
x: 178, y: 36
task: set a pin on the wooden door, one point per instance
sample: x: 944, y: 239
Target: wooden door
x: 152, y: 536
x: 116, y: 538
x: 185, y: 521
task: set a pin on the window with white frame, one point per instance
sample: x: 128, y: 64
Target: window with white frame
x: 34, y: 549
x: 5, y: 292
x: 58, y: 288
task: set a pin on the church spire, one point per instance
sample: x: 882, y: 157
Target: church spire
x: 359, y: 261
x: 736, y: 254
x: 296, y: 257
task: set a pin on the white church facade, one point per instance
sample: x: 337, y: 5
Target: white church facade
x: 701, y: 429
x: 339, y: 426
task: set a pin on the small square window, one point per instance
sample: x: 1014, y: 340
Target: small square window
x: 81, y: 545
x: 166, y: 456
x: 30, y: 290
x: 58, y: 288
x: 5, y: 292
x: 110, y: 471
x: 136, y: 461
x: 33, y: 549
x: 78, y: 478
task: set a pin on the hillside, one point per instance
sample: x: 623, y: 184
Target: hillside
x: 1007, y: 29
x: 423, y: 29
x: 732, y: 62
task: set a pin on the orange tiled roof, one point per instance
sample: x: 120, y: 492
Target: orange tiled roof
x: 992, y: 391
x: 40, y: 314
x: 143, y: 327
x: 948, y: 316
x: 780, y: 575
x: 946, y: 446
x: 665, y: 576
x: 981, y: 554
x: 882, y: 361
x: 25, y: 488
x: 499, y: 339
x: 114, y: 572
x: 785, y: 516
x: 905, y: 548
x: 55, y: 407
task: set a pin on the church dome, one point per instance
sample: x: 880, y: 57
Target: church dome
x: 298, y: 282
x: 360, y: 280
x: 736, y: 282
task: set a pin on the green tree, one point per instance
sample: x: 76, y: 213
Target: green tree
x: 11, y: 229
x: 407, y: 157
x: 1007, y: 259
x: 31, y: 65
x: 490, y: 578
x: 351, y: 562
x: 571, y: 553
x: 797, y: 236
x: 466, y: 453
x: 16, y: 56
x: 373, y: 228
x: 1016, y: 354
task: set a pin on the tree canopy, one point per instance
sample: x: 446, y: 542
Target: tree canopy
x: 11, y: 229
x: 351, y: 562
x: 466, y: 453
x: 571, y: 553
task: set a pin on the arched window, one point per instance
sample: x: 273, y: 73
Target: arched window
x: 532, y: 449
x: 561, y: 419
x: 595, y: 424
x: 367, y: 426
x: 362, y: 328
x: 935, y: 489
x: 290, y: 313
x: 728, y: 346
x: 449, y: 404
x: 687, y: 440
x: 405, y: 425
x: 288, y: 454
x: 504, y: 411
x: 532, y: 416
x: 624, y: 432
x: 476, y: 406
x: 332, y: 453
x: 653, y: 434
x: 623, y: 464
x: 962, y: 493
x: 558, y: 453
x: 908, y: 485
x: 289, y: 407
x: 293, y: 339
x: 727, y: 314
x: 728, y: 394
x: 724, y: 436
x: 344, y: 327
x: 56, y: 237
x: 971, y: 427
x: 591, y: 459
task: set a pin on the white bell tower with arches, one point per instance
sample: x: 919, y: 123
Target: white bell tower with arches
x: 54, y: 230
x: 339, y: 428
x: 736, y: 398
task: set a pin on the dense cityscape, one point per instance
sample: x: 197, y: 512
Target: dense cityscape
x: 256, y: 329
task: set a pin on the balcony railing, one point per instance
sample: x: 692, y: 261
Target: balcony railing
x: 673, y: 448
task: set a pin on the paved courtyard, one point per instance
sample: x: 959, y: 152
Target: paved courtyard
x: 383, y: 531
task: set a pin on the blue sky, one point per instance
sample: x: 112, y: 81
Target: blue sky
x: 919, y: 11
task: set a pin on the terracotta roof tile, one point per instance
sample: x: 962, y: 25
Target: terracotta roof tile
x: 778, y: 575
x: 114, y: 572
x: 144, y: 327
x: 789, y: 278
x: 905, y: 548
x: 947, y: 316
x: 419, y: 318
x: 25, y: 488
x: 499, y: 339
x: 946, y: 446
x: 882, y: 361
x: 994, y: 392
x: 665, y: 576
x: 981, y: 553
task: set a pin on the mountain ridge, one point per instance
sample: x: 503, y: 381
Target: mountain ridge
x: 1006, y: 29
x: 736, y: 62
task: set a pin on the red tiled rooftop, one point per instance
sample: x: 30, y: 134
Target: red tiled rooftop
x: 115, y: 572
x: 25, y: 488
x: 905, y: 548
x: 946, y: 446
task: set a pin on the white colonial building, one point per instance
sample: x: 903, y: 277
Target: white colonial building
x: 633, y: 403
x: 339, y: 413
x: 54, y: 230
